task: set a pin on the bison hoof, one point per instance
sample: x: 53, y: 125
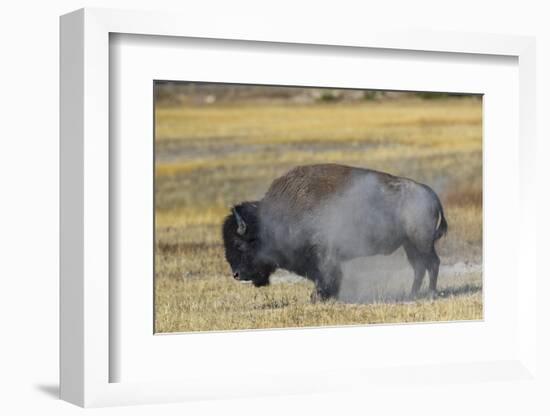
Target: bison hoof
x: 317, y: 296
x: 433, y: 295
x: 413, y: 297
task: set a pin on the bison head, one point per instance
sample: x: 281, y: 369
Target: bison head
x: 243, y: 246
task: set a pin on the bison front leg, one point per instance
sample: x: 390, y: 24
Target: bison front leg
x: 327, y: 283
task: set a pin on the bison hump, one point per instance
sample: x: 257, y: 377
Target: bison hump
x: 305, y: 187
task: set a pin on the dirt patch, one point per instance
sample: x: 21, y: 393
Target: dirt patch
x: 387, y: 279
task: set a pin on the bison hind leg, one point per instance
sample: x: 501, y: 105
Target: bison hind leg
x: 421, y: 262
x: 418, y: 262
x: 433, y: 270
x: 419, y: 272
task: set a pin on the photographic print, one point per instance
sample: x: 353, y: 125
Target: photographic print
x: 294, y: 207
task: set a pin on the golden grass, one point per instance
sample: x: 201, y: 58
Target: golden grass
x: 283, y: 123
x: 192, y: 216
x: 382, y: 154
x: 209, y: 158
x: 196, y: 305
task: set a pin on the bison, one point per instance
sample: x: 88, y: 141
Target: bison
x: 316, y: 217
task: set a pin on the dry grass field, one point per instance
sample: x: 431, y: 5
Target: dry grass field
x: 209, y: 157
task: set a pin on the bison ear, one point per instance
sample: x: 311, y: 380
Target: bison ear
x: 241, y: 225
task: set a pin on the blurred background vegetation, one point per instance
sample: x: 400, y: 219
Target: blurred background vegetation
x: 172, y: 93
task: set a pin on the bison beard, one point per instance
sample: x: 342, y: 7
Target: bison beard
x: 314, y: 218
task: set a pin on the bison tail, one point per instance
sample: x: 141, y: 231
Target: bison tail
x: 441, y: 230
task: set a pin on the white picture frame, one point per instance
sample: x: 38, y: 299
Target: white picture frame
x: 87, y: 304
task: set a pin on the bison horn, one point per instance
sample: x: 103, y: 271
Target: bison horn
x: 241, y: 225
